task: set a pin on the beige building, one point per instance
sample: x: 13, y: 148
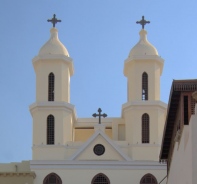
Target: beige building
x: 179, y: 146
x: 68, y: 149
x: 16, y: 173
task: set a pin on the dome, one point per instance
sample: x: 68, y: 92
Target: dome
x: 53, y: 45
x: 143, y: 47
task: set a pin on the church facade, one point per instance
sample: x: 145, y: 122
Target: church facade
x: 67, y: 149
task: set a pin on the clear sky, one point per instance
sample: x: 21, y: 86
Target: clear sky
x: 98, y: 35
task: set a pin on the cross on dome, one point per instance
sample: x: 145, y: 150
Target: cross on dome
x: 54, y: 20
x: 99, y: 115
x: 143, y: 22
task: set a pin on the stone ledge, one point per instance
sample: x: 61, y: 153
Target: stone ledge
x: 23, y: 174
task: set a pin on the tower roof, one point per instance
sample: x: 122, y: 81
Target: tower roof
x: 53, y: 46
x: 143, y: 47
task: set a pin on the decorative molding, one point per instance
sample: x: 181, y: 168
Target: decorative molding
x: 143, y: 105
x: 76, y: 145
x: 185, y: 85
x: 23, y: 174
x: 113, y: 165
x: 145, y: 57
x: 50, y: 57
x: 47, y: 105
x: 137, y: 58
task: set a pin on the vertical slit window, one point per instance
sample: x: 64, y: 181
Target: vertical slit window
x: 50, y: 129
x: 144, y: 86
x: 51, y: 87
x: 145, y: 128
x: 186, y: 118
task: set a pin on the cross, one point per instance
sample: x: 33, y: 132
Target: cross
x: 143, y: 22
x: 54, y: 20
x: 99, y: 115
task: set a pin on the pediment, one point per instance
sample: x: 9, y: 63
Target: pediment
x: 90, y: 150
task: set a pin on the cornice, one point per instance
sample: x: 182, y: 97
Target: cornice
x: 37, y: 106
x: 146, y: 58
x: 144, y: 105
x: 113, y: 165
x: 50, y: 57
x: 23, y: 174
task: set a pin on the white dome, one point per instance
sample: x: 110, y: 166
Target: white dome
x: 143, y: 47
x: 53, y: 45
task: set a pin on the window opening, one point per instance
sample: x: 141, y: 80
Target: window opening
x: 148, y: 179
x: 50, y: 129
x: 100, y: 179
x: 186, y: 118
x: 52, y: 179
x: 99, y: 149
x: 145, y: 128
x: 51, y: 86
x: 144, y: 86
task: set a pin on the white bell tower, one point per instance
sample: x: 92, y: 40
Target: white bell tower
x: 52, y: 113
x: 144, y: 113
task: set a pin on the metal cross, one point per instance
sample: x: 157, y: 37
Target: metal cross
x: 99, y: 115
x: 143, y: 22
x: 54, y: 20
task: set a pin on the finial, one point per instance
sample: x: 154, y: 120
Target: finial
x: 143, y: 22
x: 99, y: 115
x: 54, y: 20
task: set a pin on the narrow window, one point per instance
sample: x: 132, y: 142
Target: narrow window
x: 148, y: 179
x: 186, y: 119
x: 52, y: 179
x: 144, y: 86
x: 51, y: 86
x: 145, y: 128
x: 50, y: 129
x: 100, y: 179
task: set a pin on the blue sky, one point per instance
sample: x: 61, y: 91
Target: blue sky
x: 98, y: 35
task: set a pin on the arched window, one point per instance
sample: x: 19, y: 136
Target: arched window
x: 144, y: 86
x: 50, y: 129
x: 52, y: 179
x: 145, y: 128
x: 148, y: 179
x: 100, y: 179
x: 51, y: 87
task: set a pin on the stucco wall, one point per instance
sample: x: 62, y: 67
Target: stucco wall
x: 16, y: 173
x: 16, y: 179
x: 116, y: 176
x: 183, y: 166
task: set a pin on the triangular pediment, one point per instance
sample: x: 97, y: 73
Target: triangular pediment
x: 95, y: 145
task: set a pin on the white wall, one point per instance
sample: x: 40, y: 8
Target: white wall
x: 183, y: 166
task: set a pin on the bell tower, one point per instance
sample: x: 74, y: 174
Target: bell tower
x: 52, y: 113
x: 144, y: 113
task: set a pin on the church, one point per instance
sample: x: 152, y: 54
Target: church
x: 98, y: 149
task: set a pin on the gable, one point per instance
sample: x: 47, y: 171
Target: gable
x: 112, y: 152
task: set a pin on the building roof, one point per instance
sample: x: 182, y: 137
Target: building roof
x: 53, y: 46
x: 143, y: 47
